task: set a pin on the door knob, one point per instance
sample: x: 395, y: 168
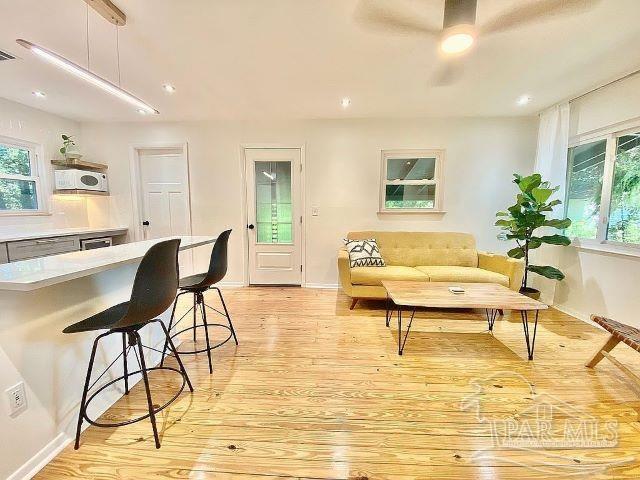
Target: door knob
x: 251, y: 226
x: 145, y: 223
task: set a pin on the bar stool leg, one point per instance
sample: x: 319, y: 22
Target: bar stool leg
x: 143, y: 367
x: 175, y: 352
x: 195, y: 303
x: 85, y: 391
x: 233, y: 331
x: 126, y: 370
x: 206, y: 329
x: 173, y: 314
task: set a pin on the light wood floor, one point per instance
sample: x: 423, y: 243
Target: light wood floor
x: 317, y: 391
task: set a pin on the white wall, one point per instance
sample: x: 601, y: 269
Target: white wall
x: 20, y: 122
x: 342, y: 174
x: 597, y: 282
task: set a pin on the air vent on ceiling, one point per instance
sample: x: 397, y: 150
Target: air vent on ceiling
x: 6, y: 56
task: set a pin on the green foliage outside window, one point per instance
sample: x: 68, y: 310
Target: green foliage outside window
x: 624, y: 212
x: 16, y: 194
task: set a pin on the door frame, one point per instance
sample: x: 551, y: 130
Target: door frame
x: 136, y: 187
x: 245, y: 207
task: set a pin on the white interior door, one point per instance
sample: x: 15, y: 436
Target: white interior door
x: 164, y: 194
x: 274, y: 216
x: 164, y: 180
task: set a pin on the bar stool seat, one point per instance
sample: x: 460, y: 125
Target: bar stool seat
x: 100, y: 321
x: 192, y: 282
x: 197, y: 285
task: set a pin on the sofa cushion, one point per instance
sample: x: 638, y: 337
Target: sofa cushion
x: 411, y: 249
x: 375, y: 275
x: 463, y: 274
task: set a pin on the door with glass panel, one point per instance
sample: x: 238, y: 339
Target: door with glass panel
x: 274, y: 216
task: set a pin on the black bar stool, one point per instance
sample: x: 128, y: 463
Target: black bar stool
x: 198, y: 284
x: 152, y: 294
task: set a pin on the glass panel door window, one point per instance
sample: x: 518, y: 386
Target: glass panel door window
x: 585, y: 172
x: 411, y: 180
x: 624, y: 209
x: 274, y: 218
x: 19, y: 181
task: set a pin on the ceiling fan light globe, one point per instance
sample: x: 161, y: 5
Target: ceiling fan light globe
x: 458, y: 39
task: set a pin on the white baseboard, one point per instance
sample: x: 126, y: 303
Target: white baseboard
x: 574, y: 313
x: 39, y: 460
x: 326, y: 286
x: 230, y: 284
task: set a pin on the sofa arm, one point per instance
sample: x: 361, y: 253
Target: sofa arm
x: 344, y: 271
x: 511, y: 267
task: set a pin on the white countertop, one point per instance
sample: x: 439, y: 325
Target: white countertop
x: 59, y: 232
x: 42, y: 272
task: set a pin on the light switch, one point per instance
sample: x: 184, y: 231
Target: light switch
x: 314, y: 211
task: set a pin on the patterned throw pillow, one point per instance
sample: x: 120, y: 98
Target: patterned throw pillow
x: 364, y: 253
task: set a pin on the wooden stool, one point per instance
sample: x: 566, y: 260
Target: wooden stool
x: 619, y: 333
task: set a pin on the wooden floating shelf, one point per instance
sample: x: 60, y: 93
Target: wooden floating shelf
x: 79, y: 164
x: 78, y: 191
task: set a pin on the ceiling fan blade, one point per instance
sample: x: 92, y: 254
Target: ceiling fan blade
x: 383, y: 16
x: 536, y: 10
x: 447, y: 73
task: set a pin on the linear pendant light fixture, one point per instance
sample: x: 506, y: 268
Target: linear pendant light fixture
x: 80, y: 72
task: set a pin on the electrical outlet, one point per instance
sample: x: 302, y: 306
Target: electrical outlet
x: 17, y: 397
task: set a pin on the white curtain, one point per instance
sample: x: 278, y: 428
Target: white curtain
x: 553, y: 142
x: 551, y: 163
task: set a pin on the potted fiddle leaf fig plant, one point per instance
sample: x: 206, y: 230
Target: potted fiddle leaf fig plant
x: 521, y: 221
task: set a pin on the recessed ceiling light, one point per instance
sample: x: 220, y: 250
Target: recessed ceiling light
x: 39, y: 94
x: 141, y: 111
x: 523, y: 100
x: 345, y: 102
x: 168, y: 88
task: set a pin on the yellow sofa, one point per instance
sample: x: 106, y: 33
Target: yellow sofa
x: 425, y: 256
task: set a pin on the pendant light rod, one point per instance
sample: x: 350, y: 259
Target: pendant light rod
x: 80, y: 72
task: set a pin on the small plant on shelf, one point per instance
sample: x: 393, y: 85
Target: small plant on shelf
x: 67, y: 145
x: 521, y: 221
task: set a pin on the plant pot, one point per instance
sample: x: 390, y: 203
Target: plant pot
x: 530, y: 292
x: 72, y: 156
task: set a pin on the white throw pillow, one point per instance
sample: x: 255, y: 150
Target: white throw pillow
x: 364, y: 253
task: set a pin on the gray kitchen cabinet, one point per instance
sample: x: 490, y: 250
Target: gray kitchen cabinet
x: 4, y: 257
x: 41, y: 247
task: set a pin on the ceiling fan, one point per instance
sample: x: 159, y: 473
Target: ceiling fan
x: 459, y: 31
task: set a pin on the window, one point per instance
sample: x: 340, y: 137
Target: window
x: 624, y: 210
x: 411, y: 181
x: 19, y: 180
x: 603, y: 189
x: 273, y: 202
x: 584, y: 188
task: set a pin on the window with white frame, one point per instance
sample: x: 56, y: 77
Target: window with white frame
x: 411, y: 181
x: 603, y: 189
x: 20, y: 185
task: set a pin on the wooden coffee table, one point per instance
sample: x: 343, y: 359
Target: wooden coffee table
x: 491, y: 297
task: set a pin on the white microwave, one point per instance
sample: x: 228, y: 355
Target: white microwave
x: 82, y: 180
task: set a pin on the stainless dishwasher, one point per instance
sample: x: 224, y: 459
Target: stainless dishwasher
x: 91, y: 243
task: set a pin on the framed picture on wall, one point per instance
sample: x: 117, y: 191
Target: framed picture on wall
x: 411, y: 181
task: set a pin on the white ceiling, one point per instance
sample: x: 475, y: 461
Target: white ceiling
x: 298, y: 58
